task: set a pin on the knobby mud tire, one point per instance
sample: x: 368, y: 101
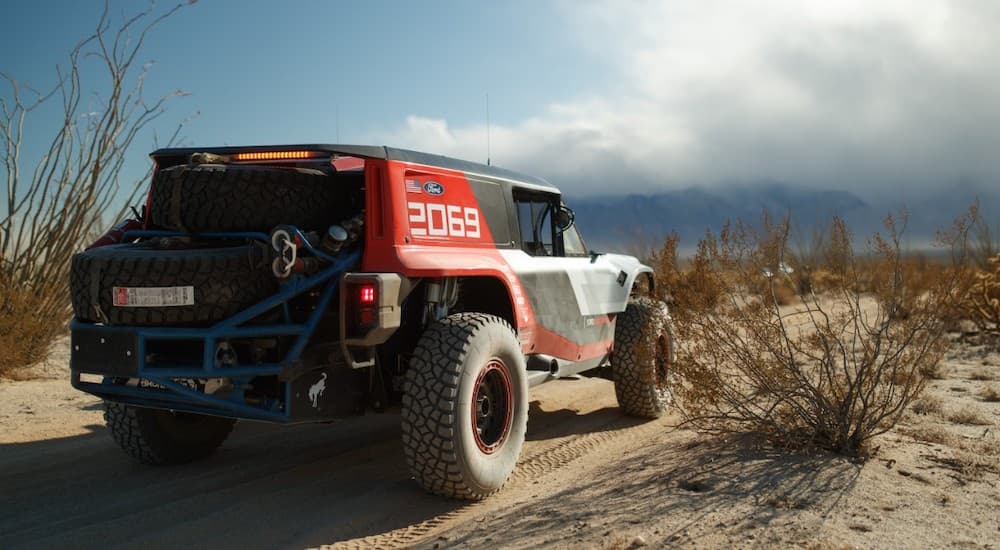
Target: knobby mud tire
x: 449, y: 370
x: 215, y: 197
x: 642, y: 357
x: 226, y: 281
x: 161, y: 437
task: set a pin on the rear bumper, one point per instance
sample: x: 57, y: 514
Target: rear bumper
x: 112, y: 363
x: 115, y: 363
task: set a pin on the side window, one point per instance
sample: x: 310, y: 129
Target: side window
x: 534, y: 217
x: 573, y: 242
x: 524, y: 221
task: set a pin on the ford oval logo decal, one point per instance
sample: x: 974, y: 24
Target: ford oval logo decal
x: 433, y: 188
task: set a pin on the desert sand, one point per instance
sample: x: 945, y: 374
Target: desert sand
x: 588, y: 477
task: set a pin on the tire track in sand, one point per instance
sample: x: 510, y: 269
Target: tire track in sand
x: 539, y: 461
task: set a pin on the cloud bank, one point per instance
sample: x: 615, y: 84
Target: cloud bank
x: 870, y: 97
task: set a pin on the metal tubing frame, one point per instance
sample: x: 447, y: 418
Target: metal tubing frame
x: 176, y: 396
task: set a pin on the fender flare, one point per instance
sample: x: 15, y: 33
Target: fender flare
x: 632, y: 269
x: 645, y: 271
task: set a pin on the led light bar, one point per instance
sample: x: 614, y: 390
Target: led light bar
x: 277, y: 155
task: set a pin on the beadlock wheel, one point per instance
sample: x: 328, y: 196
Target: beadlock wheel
x: 492, y: 408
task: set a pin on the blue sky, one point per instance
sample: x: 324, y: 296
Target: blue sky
x: 263, y: 72
x: 598, y: 96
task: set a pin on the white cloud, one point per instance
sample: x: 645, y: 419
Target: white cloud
x: 851, y: 94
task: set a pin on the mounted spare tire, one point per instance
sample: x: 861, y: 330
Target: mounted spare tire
x: 218, y: 197
x: 123, y: 284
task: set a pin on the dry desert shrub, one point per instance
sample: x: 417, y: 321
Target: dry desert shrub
x: 694, y: 288
x: 982, y: 301
x: 934, y: 371
x: 831, y: 371
x: 986, y: 240
x: 928, y: 404
x: 981, y: 375
x: 782, y: 290
x: 825, y: 281
x: 25, y: 332
x: 968, y: 415
x: 974, y: 464
x: 932, y: 434
x: 970, y: 456
x: 990, y: 394
x: 52, y: 205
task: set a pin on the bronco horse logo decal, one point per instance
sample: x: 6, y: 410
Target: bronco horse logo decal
x: 316, y: 391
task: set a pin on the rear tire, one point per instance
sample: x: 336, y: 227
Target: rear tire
x: 642, y: 358
x: 161, y: 437
x: 465, y: 406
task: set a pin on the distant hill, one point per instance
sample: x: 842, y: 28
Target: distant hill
x: 631, y: 223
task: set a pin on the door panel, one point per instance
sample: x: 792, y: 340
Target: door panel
x: 571, y: 298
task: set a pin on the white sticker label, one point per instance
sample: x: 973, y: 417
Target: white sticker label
x: 157, y: 296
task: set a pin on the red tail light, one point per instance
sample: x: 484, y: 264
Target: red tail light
x: 367, y: 294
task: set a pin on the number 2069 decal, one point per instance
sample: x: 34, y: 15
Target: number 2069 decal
x: 443, y: 220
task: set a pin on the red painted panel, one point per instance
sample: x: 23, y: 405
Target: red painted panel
x: 437, y: 232
x: 556, y: 345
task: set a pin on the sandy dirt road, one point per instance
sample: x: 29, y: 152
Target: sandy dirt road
x: 588, y: 477
x: 271, y: 486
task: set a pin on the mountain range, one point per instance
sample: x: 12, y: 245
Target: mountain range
x: 635, y: 223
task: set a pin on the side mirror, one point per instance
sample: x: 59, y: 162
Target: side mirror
x: 564, y: 218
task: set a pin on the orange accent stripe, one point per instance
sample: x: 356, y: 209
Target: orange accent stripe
x: 556, y: 345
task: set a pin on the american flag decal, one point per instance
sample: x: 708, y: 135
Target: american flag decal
x: 413, y: 186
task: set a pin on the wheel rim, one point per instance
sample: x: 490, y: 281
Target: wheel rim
x: 492, y: 407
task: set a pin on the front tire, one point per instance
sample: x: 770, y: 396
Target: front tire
x: 161, y: 437
x: 642, y: 359
x: 465, y: 406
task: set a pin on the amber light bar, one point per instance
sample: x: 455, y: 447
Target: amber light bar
x: 277, y: 155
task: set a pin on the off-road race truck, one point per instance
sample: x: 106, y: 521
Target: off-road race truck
x: 306, y: 283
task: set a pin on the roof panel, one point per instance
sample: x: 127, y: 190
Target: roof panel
x: 378, y: 152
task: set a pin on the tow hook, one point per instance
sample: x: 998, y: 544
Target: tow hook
x: 284, y: 244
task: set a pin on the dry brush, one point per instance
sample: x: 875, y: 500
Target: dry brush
x: 55, y: 201
x: 828, y: 361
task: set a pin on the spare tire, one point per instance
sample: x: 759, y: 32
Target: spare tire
x: 210, y: 284
x: 215, y: 197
